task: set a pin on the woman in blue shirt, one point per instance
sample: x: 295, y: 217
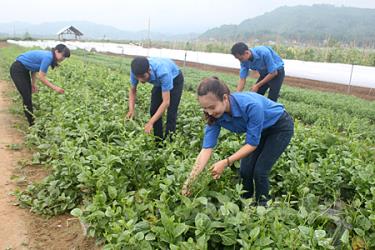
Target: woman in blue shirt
x: 268, y: 129
x: 168, y: 82
x: 36, y: 61
x: 268, y: 64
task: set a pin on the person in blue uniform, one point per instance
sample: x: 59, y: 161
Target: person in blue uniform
x: 34, y: 64
x: 168, y: 81
x: 268, y: 128
x: 264, y: 60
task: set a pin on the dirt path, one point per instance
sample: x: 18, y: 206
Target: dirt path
x: 13, y: 232
x: 20, y: 229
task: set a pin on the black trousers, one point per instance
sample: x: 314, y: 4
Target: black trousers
x: 156, y: 100
x: 274, y: 85
x: 255, y: 168
x: 21, y: 78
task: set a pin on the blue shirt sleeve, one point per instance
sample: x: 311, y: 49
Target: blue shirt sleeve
x: 46, y: 62
x: 244, y: 70
x: 254, y: 125
x: 270, y: 63
x: 211, y: 133
x: 133, y: 80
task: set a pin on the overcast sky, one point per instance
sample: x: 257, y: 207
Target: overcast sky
x: 166, y: 16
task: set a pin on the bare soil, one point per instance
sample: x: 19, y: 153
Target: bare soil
x: 19, y: 228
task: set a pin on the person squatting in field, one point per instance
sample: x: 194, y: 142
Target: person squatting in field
x: 168, y: 82
x: 264, y: 60
x: 36, y: 63
x: 268, y: 128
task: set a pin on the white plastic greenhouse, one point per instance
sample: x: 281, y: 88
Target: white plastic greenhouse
x: 328, y: 72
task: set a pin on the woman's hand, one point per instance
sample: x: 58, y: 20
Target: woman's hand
x: 148, y: 127
x: 186, y: 189
x: 218, y: 168
x: 199, y: 165
x: 59, y: 90
x: 34, y: 88
x: 130, y: 115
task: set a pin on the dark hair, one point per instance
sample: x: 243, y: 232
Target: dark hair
x: 239, y: 48
x: 61, y: 48
x: 139, y: 65
x: 216, y: 87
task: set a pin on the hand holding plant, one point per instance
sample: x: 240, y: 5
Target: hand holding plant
x: 186, y: 188
x: 59, y: 90
x: 34, y: 88
x: 218, y: 168
x: 130, y: 115
x: 148, y: 127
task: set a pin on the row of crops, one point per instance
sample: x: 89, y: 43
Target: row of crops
x: 110, y: 174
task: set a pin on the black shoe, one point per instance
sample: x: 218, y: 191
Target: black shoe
x: 263, y: 203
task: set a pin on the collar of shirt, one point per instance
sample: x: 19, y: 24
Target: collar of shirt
x: 255, y: 55
x: 234, y: 109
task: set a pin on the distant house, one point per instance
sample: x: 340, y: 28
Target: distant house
x: 69, y: 33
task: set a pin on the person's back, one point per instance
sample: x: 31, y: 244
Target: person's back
x: 37, y: 63
x: 35, y: 60
x: 167, y: 81
x: 264, y: 60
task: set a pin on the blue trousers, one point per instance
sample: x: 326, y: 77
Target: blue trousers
x: 255, y: 168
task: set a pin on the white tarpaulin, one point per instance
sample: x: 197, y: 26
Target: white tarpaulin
x: 328, y: 72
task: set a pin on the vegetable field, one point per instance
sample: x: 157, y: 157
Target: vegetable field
x: 110, y: 174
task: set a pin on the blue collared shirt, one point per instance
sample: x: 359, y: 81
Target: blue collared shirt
x: 265, y: 61
x: 163, y: 71
x: 251, y: 113
x: 36, y: 60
